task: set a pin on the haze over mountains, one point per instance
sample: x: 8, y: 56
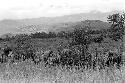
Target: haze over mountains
x: 67, y: 22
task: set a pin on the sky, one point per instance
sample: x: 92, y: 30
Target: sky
x: 20, y: 9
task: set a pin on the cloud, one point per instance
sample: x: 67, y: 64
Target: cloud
x: 37, y: 8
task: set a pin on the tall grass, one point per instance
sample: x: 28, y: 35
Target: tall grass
x: 27, y: 72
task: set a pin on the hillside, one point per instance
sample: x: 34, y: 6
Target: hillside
x: 53, y: 23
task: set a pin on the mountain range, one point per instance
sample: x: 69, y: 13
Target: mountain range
x: 67, y: 22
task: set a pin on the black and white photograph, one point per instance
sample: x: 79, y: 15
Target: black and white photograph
x: 62, y: 41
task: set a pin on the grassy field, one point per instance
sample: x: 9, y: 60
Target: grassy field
x: 28, y: 72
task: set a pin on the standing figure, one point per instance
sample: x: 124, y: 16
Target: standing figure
x: 7, y: 52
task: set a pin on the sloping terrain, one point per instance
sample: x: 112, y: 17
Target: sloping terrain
x: 51, y: 23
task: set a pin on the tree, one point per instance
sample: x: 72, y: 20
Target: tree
x: 117, y: 27
x: 81, y: 36
x: 51, y: 35
x: 39, y: 35
x: 61, y: 34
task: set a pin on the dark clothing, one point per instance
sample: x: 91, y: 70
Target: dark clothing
x: 7, y: 50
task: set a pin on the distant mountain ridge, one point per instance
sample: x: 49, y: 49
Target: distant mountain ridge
x: 59, y: 23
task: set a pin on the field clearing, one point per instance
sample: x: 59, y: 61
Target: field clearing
x: 27, y: 72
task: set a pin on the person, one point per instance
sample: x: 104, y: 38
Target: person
x: 7, y: 50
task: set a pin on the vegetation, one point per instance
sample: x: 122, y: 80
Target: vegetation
x: 82, y: 49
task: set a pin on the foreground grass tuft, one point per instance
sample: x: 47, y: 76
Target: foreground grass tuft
x: 27, y: 72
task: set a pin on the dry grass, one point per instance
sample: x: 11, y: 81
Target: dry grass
x: 27, y: 72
